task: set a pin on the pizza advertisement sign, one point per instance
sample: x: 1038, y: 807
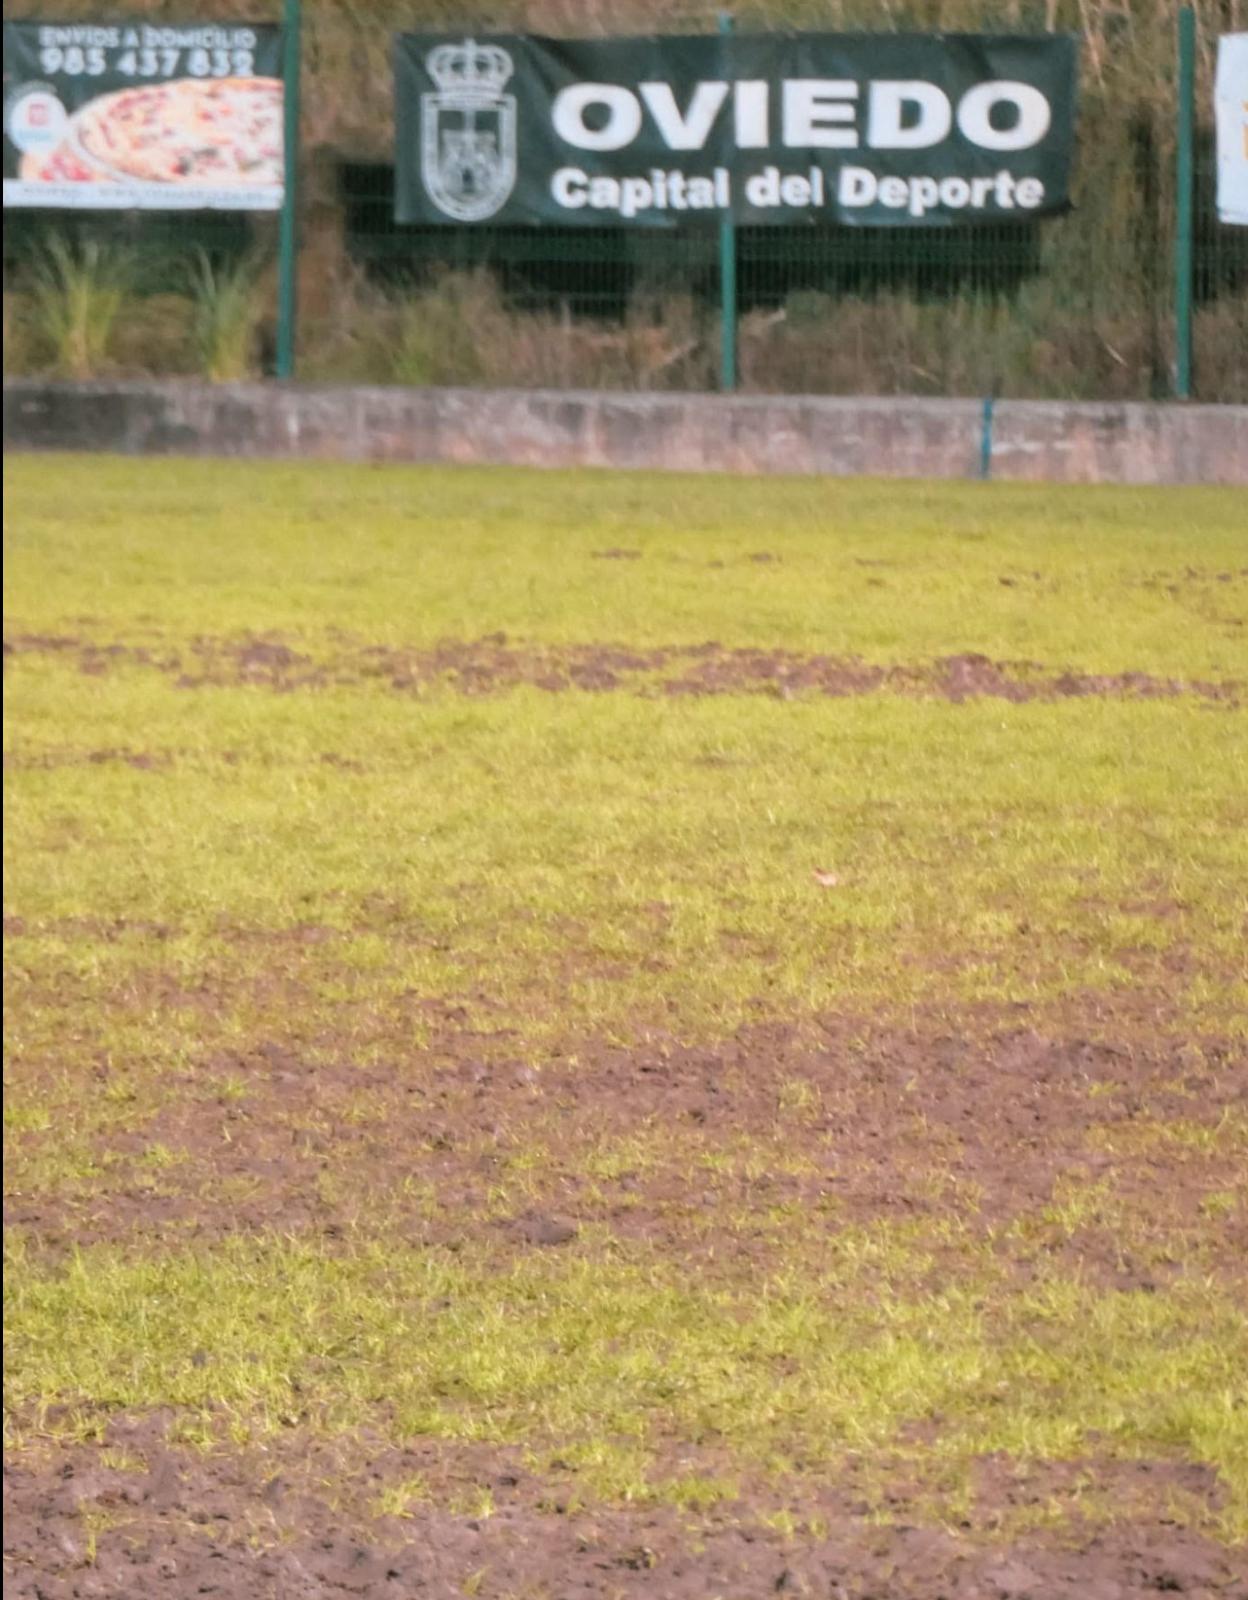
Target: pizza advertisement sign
x: 143, y: 116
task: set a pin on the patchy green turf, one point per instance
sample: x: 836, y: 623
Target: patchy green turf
x: 1104, y: 579
x: 199, y: 874
x: 609, y: 1363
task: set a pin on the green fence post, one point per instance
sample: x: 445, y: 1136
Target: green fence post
x: 288, y: 239
x: 987, y: 415
x: 727, y: 281
x: 1183, y: 217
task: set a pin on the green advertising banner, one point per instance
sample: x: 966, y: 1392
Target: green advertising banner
x: 145, y: 115
x: 893, y: 129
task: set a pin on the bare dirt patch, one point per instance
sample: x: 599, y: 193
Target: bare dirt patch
x: 1060, y: 1143
x: 495, y: 664
x: 1055, y: 1140
x: 232, y: 1525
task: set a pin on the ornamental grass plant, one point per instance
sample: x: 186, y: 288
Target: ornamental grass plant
x: 77, y: 293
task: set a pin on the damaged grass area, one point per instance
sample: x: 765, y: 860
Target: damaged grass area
x: 584, y: 865
x: 606, y: 1363
x: 826, y: 1079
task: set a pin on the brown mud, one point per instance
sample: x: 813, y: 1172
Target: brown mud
x: 849, y: 1122
x: 180, y: 1524
x: 494, y: 664
x: 989, y: 1123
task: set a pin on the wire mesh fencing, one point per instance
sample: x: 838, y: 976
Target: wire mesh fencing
x: 1078, y: 307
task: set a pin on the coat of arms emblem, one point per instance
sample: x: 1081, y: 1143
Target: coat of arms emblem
x: 468, y: 130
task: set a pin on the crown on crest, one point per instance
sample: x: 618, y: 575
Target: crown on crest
x: 469, y: 71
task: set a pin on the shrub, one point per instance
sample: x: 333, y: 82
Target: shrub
x: 227, y: 308
x: 76, y: 295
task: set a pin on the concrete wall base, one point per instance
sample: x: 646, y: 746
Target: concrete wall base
x: 1051, y: 441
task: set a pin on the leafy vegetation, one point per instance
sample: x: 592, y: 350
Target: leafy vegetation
x: 227, y: 309
x: 77, y: 295
x: 1086, y: 314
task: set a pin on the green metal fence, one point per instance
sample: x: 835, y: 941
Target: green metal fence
x: 1120, y: 299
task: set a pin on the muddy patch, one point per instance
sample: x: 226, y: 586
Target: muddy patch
x: 495, y: 664
x: 1059, y: 1145
x: 53, y: 760
x: 136, y: 1515
x: 1052, y: 1146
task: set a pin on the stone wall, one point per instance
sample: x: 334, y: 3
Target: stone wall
x: 1047, y: 440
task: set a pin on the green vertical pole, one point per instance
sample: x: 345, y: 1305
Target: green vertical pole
x: 288, y: 239
x: 1183, y: 218
x: 985, y: 436
x: 727, y: 281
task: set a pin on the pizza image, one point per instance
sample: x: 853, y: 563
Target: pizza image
x: 55, y: 166
x: 202, y: 132
x: 220, y: 131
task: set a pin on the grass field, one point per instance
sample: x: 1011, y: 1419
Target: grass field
x: 645, y: 1036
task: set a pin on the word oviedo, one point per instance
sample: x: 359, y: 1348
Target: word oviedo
x: 815, y: 114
